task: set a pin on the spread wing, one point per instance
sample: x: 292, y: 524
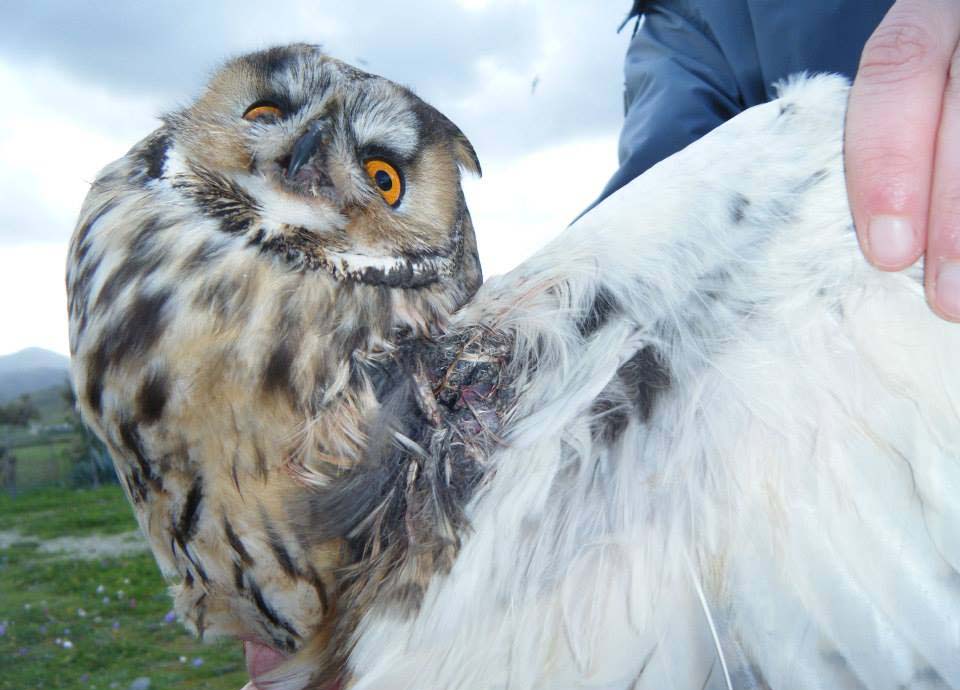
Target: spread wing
x: 731, y: 454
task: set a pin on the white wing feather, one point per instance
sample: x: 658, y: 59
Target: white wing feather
x: 786, y: 517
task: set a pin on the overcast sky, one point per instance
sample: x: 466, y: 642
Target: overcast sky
x: 536, y: 86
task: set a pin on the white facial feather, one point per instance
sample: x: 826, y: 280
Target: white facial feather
x: 280, y: 209
x: 387, y: 123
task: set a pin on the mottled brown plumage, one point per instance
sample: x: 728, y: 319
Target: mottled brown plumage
x: 241, y: 330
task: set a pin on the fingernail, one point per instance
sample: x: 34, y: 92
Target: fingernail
x: 891, y: 240
x: 948, y: 289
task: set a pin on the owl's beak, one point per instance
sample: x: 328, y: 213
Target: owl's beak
x: 306, y: 146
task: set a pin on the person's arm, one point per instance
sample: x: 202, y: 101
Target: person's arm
x: 678, y: 87
x: 902, y: 146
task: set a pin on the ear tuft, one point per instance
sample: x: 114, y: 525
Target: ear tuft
x: 435, y: 125
x: 465, y: 154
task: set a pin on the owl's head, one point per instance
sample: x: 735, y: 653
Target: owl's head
x: 329, y: 167
x: 235, y: 281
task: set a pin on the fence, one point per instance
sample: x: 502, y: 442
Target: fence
x: 57, y: 458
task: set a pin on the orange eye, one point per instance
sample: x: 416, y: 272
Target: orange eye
x: 263, y: 111
x: 386, y: 179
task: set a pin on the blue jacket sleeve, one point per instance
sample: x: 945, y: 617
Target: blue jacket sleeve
x: 678, y: 86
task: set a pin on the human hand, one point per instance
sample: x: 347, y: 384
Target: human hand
x: 902, y: 146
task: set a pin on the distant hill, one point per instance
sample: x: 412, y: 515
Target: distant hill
x: 30, y: 371
x: 33, y: 358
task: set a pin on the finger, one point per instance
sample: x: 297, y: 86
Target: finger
x: 891, y: 127
x: 943, y: 243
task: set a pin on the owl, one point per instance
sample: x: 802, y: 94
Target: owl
x: 694, y: 442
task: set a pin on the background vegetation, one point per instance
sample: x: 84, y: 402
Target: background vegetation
x: 71, y: 621
x: 82, y: 602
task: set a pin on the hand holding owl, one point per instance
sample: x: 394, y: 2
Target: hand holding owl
x: 903, y: 147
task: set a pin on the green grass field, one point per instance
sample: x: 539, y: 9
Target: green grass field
x: 72, y: 623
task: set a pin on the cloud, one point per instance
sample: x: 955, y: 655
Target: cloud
x: 167, y: 47
x: 578, y: 93
x: 34, y: 307
x: 52, y: 145
x: 145, y: 47
x: 522, y: 203
x: 474, y: 60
